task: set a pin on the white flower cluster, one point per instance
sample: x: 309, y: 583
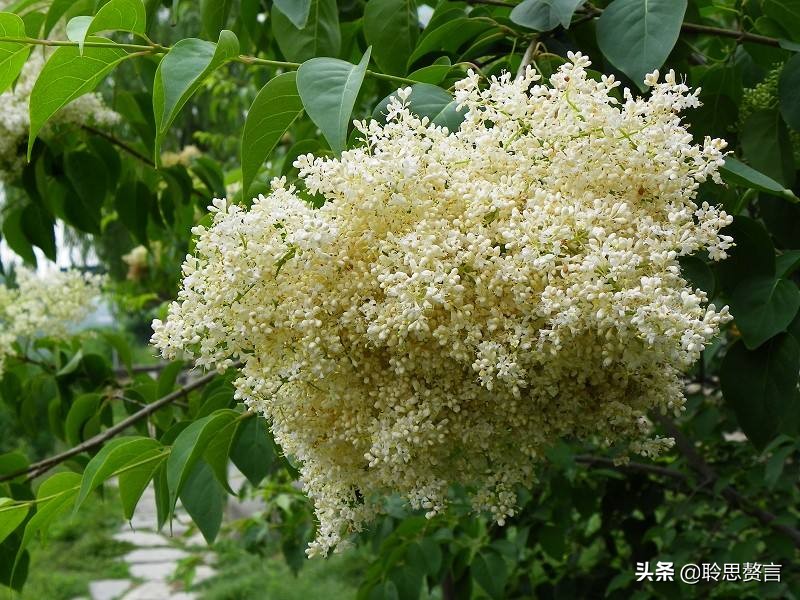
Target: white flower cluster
x: 462, y: 300
x: 15, y: 118
x: 44, y: 306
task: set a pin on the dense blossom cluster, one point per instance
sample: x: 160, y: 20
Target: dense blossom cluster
x: 44, y: 306
x: 15, y: 118
x: 462, y: 300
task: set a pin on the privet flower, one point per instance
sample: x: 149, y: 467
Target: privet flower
x: 462, y: 300
x: 44, y: 306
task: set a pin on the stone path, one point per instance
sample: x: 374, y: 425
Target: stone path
x: 153, y: 563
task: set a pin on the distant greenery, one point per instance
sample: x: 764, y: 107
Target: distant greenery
x: 78, y: 550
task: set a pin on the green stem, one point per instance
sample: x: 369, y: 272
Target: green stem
x: 59, y: 43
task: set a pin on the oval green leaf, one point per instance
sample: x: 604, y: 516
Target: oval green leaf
x: 12, y: 56
x: 328, y: 88
x: 638, y: 35
x: 392, y: 29
x: 276, y: 107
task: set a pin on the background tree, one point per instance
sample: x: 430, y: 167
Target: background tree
x: 141, y: 111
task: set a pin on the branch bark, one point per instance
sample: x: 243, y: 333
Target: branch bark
x: 698, y: 463
x: 45, y: 465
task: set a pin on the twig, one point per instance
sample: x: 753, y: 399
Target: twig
x: 119, y: 144
x: 527, y: 58
x: 45, y: 465
x: 599, y: 461
x: 699, y: 464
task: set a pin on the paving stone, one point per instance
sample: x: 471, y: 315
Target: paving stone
x: 142, y: 539
x: 108, y: 589
x: 202, y: 573
x: 153, y: 571
x: 183, y: 596
x: 155, y: 555
x: 152, y: 590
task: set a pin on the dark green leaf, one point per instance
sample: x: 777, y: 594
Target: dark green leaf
x: 204, y: 500
x: 11, y: 517
x: 427, y: 101
x: 328, y: 88
x: 764, y: 307
x: 134, y: 480
x: 120, y: 452
x: 789, y: 92
x: 83, y: 408
x: 252, y: 450
x: 214, y: 14
x: 391, y: 28
x: 638, y: 35
x: 276, y: 107
x: 296, y: 11
x: 489, y: 570
x: 766, y: 146
x: 738, y: 173
x: 189, y: 446
x: 319, y: 37
x: 181, y: 72
x: 760, y: 385
x: 544, y: 15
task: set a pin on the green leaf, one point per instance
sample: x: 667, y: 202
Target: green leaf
x: 204, y: 500
x: 433, y: 74
x: 766, y: 146
x: 328, y: 88
x: 38, y: 227
x: 544, y: 15
x: 120, y: 452
x: 449, y: 37
x: 219, y: 449
x: 72, y: 364
x: 391, y: 27
x: 214, y: 14
x: 697, y: 272
x: 66, y: 76
x: 115, y: 15
x: 134, y: 481
x: 11, y: 517
x: 296, y: 11
x: 87, y: 174
x: 83, y: 408
x: 737, y: 173
x: 638, y: 35
x: 787, y: 263
x: 760, y: 385
x: 16, y: 238
x: 54, y: 497
x: 252, y: 451
x: 763, y: 307
x: 181, y: 72
x: 168, y: 377
x: 276, y: 107
x: 427, y: 101
x: 133, y: 201
x: 12, y: 56
x: 489, y: 570
x: 319, y: 37
x: 57, y: 10
x: 789, y: 92
x: 189, y: 446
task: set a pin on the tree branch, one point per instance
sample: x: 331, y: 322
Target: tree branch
x: 698, y: 463
x: 45, y: 465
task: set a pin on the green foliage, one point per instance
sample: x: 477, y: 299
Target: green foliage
x: 301, y: 71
